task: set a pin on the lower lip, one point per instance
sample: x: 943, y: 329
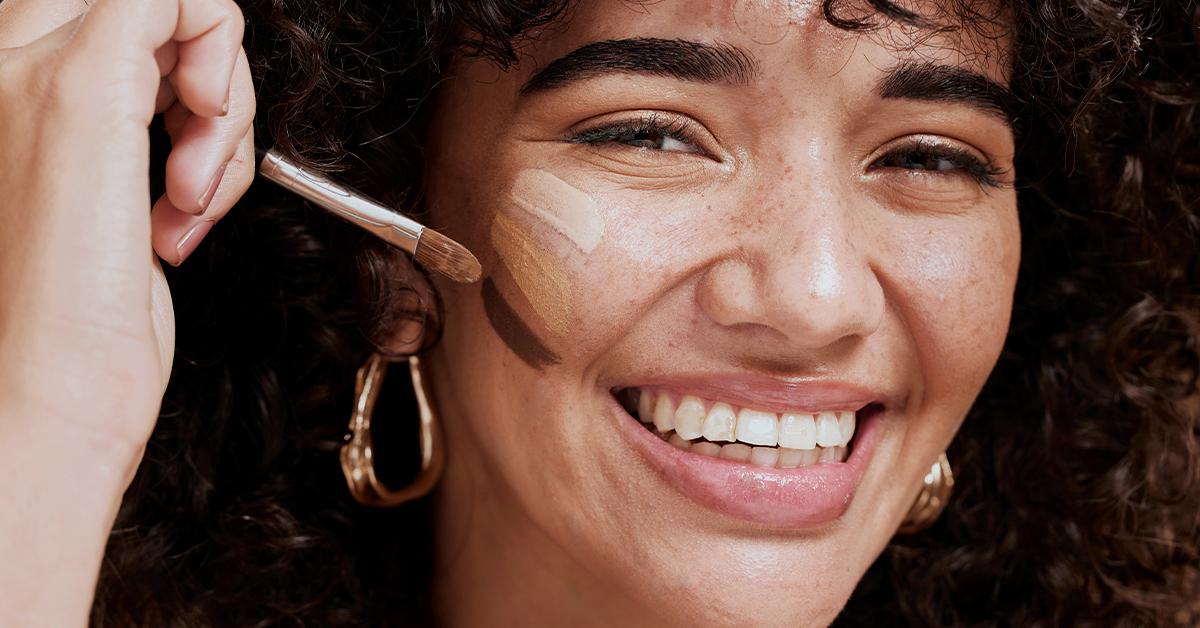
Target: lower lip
x: 804, y: 497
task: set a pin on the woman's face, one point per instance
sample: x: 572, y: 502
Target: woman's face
x: 765, y: 227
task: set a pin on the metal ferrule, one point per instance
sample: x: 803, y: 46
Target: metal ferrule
x: 347, y: 203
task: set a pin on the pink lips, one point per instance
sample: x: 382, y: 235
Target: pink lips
x: 797, y: 498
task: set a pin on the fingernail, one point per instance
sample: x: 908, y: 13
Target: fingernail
x: 212, y: 188
x: 190, y: 240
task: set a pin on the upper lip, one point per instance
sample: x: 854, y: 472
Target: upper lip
x: 770, y: 393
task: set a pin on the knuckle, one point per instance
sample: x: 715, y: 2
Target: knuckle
x: 75, y: 86
x: 237, y: 23
x: 237, y: 18
x: 250, y: 106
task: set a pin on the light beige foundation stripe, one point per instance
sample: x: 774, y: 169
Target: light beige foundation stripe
x: 569, y: 210
x: 536, y: 272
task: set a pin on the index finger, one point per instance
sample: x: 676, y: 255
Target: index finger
x: 120, y: 35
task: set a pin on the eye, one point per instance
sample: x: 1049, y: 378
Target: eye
x: 936, y: 158
x: 649, y: 132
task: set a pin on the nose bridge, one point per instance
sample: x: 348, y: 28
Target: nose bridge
x: 823, y: 284
x: 807, y: 261
x: 814, y: 268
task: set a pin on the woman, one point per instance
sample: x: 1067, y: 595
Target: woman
x: 810, y: 246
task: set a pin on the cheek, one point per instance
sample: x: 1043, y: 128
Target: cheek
x: 554, y: 283
x: 956, y: 292
x: 579, y: 263
x: 653, y: 241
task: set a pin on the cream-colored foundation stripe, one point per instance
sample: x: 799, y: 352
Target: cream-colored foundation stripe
x: 569, y: 210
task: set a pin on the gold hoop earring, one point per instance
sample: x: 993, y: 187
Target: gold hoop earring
x: 358, y: 462
x: 932, y: 500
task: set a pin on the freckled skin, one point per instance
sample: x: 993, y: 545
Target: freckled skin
x: 780, y: 253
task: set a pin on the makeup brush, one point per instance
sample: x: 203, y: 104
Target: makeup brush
x: 430, y: 248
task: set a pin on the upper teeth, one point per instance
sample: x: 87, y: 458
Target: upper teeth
x: 694, y: 417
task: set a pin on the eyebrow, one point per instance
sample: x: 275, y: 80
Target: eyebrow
x: 672, y: 58
x: 725, y: 63
x: 947, y: 83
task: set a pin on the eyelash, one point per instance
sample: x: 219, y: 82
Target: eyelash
x: 965, y: 163
x: 623, y: 131
x: 922, y: 151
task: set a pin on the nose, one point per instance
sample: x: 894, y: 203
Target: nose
x: 802, y: 280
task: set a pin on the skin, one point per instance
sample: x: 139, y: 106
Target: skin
x: 777, y: 251
x: 86, y: 327
x: 783, y: 256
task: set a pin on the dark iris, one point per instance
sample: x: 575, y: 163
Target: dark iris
x: 643, y: 138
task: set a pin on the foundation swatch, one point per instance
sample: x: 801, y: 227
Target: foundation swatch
x: 512, y: 330
x: 536, y: 272
x: 569, y: 210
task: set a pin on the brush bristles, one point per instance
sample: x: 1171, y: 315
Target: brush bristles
x: 437, y: 252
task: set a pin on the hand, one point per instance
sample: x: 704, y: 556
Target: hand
x: 86, y: 324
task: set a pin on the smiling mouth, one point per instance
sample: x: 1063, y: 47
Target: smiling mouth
x: 783, y: 440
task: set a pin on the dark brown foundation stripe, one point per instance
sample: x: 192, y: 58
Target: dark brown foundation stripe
x: 513, y: 330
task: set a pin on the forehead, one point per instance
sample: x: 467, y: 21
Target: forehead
x: 973, y: 34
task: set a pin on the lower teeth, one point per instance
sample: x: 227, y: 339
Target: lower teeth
x: 775, y: 457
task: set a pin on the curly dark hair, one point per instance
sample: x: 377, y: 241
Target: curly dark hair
x: 1078, y: 495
